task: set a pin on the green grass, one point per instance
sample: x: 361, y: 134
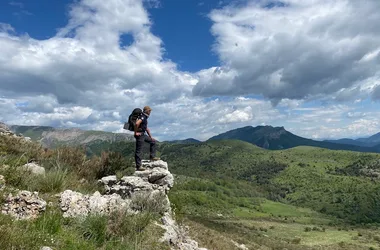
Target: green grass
x: 69, y: 168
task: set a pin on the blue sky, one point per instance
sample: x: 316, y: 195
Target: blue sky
x: 204, y: 66
x: 180, y: 24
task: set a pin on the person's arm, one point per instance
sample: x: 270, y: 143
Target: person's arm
x: 137, y: 125
x: 150, y: 135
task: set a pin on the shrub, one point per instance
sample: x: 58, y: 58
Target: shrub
x: 307, y: 229
x: 72, y: 158
x: 15, y: 146
x: 111, y: 162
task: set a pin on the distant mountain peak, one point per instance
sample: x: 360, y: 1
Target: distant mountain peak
x: 269, y: 137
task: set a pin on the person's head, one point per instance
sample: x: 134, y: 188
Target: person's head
x: 147, y: 110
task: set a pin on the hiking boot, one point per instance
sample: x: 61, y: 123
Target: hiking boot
x: 154, y: 159
x: 140, y: 169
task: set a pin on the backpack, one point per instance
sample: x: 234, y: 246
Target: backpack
x: 130, y: 125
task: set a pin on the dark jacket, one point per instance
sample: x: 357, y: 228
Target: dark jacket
x: 144, y: 124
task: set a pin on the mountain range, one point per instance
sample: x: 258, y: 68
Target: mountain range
x: 268, y: 137
x: 52, y: 137
x: 278, y: 138
x: 363, y: 142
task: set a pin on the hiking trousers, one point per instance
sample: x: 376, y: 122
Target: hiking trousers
x: 139, y: 146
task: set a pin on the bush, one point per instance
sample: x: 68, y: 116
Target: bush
x: 16, y: 146
x: 72, y: 158
x: 111, y: 163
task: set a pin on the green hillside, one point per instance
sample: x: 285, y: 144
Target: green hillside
x: 343, y: 184
x: 230, y: 191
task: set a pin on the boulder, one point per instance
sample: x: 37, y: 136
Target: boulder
x: 34, y: 168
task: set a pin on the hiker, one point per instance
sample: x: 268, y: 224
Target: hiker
x: 140, y: 128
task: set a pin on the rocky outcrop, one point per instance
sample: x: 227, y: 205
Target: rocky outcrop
x: 5, y: 130
x: 156, y: 177
x: 34, y: 168
x: 144, y: 190
x: 25, y: 205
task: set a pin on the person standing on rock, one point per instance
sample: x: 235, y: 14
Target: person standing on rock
x: 140, y: 128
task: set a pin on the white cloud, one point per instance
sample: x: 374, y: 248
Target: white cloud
x: 301, y: 51
x: 305, y: 57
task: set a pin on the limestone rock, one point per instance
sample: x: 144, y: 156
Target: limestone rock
x: 4, y: 129
x: 25, y: 205
x: 176, y: 236
x: 108, y: 180
x: 143, y: 191
x: 154, y: 164
x: 34, y: 168
x: 155, y: 177
x: 75, y: 204
x: 46, y: 248
x: 239, y: 246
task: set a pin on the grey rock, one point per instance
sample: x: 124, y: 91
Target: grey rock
x: 25, y: 205
x: 34, y: 168
x: 108, y: 180
x: 155, y: 164
x: 46, y: 248
x: 75, y: 204
x: 145, y: 190
x: 177, y: 236
x: 5, y: 129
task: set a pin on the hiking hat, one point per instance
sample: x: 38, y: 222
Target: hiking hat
x: 147, y: 108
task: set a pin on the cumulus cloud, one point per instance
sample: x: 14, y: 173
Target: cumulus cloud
x: 303, y: 56
x: 86, y: 67
x: 201, y: 119
x: 294, y: 49
x: 84, y: 63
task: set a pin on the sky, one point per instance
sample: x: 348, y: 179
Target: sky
x: 203, y: 66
